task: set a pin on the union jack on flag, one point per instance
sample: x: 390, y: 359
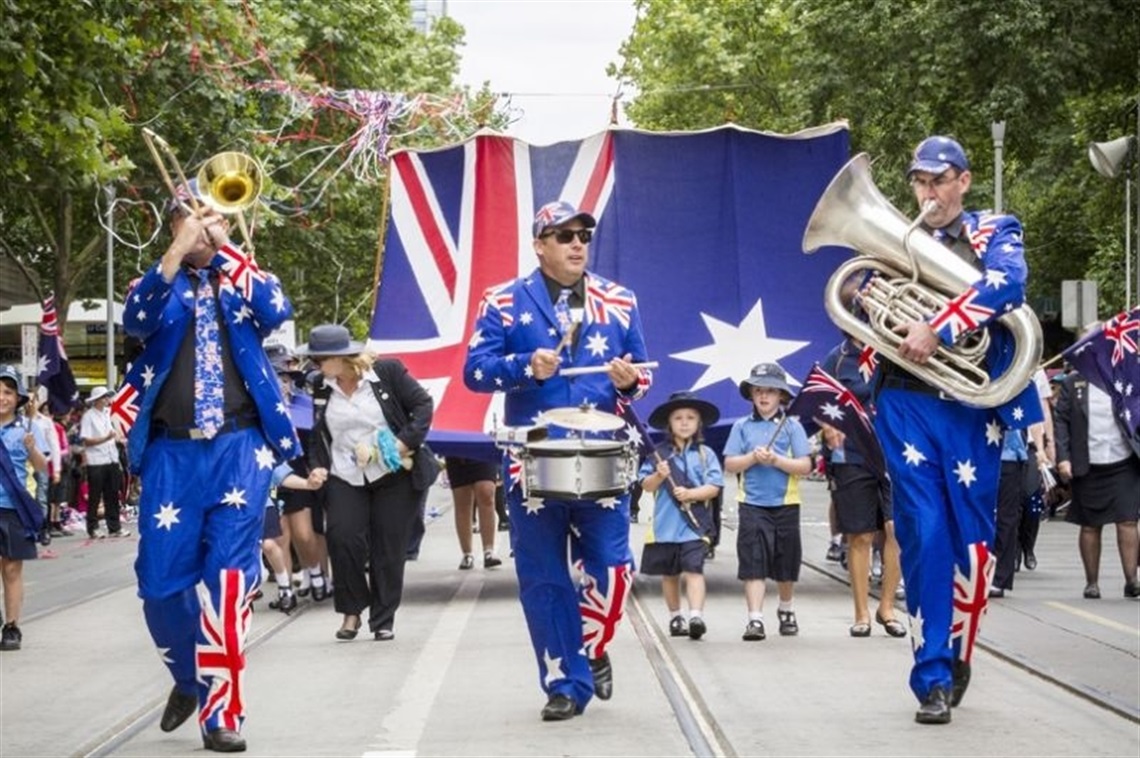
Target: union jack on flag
x: 980, y: 237
x: 54, y: 370
x: 461, y: 221
x: 1109, y: 358
x: 962, y: 314
x: 823, y: 399
x: 240, y: 269
x: 602, y: 611
x: 868, y: 362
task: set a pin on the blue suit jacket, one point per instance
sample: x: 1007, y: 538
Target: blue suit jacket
x: 517, y: 318
x: 251, y: 305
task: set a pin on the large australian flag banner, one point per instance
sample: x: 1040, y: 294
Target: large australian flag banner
x: 705, y: 227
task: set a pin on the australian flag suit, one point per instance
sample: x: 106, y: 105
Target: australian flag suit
x: 568, y: 624
x: 202, y: 500
x: 944, y: 459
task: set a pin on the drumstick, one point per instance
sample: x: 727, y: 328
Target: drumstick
x: 601, y: 369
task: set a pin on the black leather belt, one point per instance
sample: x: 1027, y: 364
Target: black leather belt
x: 159, y: 431
x: 898, y: 382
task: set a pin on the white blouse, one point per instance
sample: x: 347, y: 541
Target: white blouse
x: 352, y: 419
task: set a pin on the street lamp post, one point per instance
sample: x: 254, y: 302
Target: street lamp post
x: 997, y: 129
x: 112, y: 379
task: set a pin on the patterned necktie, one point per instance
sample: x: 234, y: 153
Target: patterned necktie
x: 209, y: 388
x: 562, y: 312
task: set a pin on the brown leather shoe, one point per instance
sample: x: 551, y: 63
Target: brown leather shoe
x: 223, y: 741
x: 179, y: 707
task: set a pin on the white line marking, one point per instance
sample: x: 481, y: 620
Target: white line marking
x: 403, y: 727
x: 1094, y: 618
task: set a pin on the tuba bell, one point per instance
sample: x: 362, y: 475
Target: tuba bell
x: 917, y: 277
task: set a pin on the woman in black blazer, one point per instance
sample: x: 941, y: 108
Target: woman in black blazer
x: 1095, y: 453
x: 370, y: 418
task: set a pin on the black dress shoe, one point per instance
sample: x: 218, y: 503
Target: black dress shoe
x: 319, y: 592
x: 603, y: 676
x: 347, y: 632
x: 179, y: 707
x: 935, y: 709
x: 1132, y: 590
x: 961, y: 681
x: 1030, y: 560
x: 559, y: 708
x: 223, y: 741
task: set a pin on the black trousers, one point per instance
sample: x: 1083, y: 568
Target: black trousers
x: 1011, y: 500
x: 103, y: 484
x: 367, y: 530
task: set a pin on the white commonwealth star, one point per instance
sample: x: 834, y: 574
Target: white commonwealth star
x: 597, y: 344
x: 553, y: 668
x: 147, y: 375
x: 533, y: 505
x: 478, y: 374
x: 264, y: 457
x: 993, y: 433
x: 167, y: 516
x: 917, y: 640
x: 995, y: 278
x: 913, y: 455
x: 526, y: 317
x: 735, y: 349
x: 832, y: 411
x: 966, y: 471
x: 608, y: 502
x: 633, y: 435
x: 278, y: 299
x: 41, y: 365
x: 235, y: 497
x: 285, y: 443
x: 1018, y: 413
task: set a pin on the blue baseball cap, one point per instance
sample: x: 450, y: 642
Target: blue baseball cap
x: 557, y: 213
x: 936, y: 155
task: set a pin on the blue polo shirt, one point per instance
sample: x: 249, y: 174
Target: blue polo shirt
x: 12, y: 437
x: 767, y: 486
x: 700, y: 464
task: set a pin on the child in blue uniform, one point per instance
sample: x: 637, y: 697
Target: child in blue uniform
x: 769, y: 451
x: 682, y: 473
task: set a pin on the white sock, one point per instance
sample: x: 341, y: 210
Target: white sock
x: 316, y: 578
x: 675, y: 614
x: 755, y: 615
x: 786, y: 606
x: 694, y: 614
x: 282, y: 580
x: 837, y: 539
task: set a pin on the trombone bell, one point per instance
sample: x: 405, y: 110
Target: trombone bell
x: 230, y: 182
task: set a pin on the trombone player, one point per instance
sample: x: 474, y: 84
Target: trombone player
x: 942, y: 454
x: 205, y: 439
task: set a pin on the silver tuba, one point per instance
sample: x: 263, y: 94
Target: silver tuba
x: 917, y: 277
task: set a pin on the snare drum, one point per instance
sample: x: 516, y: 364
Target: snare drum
x: 578, y: 469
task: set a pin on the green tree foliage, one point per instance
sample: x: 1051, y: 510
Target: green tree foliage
x: 1059, y: 74
x: 81, y: 78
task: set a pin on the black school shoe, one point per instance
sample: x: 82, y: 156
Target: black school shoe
x: 678, y: 627
x: 697, y: 628
x: 11, y: 638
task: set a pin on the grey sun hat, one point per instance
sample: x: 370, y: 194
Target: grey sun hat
x: 765, y: 375
x: 330, y: 339
x: 12, y: 374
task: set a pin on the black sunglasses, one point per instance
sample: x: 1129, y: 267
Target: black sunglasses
x: 566, y: 236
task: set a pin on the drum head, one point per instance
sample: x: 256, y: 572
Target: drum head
x: 567, y: 448
x: 584, y: 419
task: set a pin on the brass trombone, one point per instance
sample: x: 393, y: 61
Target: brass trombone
x: 229, y: 182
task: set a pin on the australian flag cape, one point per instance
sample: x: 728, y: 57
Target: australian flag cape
x: 704, y: 227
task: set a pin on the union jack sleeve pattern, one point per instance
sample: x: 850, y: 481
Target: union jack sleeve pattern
x: 997, y: 241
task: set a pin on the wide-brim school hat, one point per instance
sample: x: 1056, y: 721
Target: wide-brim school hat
x: 97, y: 394
x: 768, y: 375
x: 659, y: 418
x: 330, y: 339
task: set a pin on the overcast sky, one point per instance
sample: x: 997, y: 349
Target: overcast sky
x: 551, y: 55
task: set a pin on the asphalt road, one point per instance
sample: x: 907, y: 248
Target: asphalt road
x: 1057, y: 674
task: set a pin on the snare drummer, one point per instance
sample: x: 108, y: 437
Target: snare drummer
x: 560, y: 315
